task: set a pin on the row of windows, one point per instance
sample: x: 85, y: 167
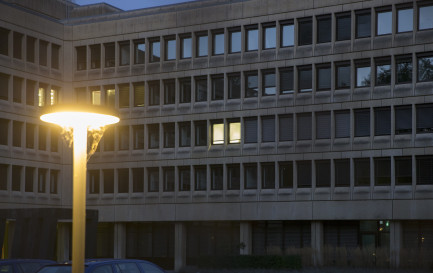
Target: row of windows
x: 198, y: 45
x: 23, y: 179
x: 250, y: 84
x: 29, y: 48
x: 264, y: 175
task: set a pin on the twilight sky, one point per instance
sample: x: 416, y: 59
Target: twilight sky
x: 132, y: 4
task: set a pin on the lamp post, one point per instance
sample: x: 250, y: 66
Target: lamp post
x: 79, y: 118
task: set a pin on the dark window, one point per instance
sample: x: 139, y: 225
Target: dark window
x: 43, y: 53
x: 217, y: 87
x: 30, y: 48
x: 169, y: 137
x: 323, y: 77
x: 155, y: 51
x: 424, y: 121
x: 81, y: 57
x: 110, y: 53
x: 186, y: 47
x: 269, y: 36
x: 324, y: 29
x: 342, y: 124
x: 384, y: 22
x: 153, y: 179
x: 169, y: 92
x: 425, y: 19
x: 216, y: 177
x: 285, y: 123
x: 382, y: 121
x: 286, y: 174
x: 184, y: 178
x: 42, y: 136
x: 252, y: 38
x: 109, y: 139
x: 268, y: 128
x: 405, y: 19
x: 363, y: 24
x: 4, y: 41
x: 55, y: 134
x: 55, y: 56
x: 234, y: 86
x: 185, y: 90
x: 124, y: 55
x: 218, y: 43
x: 342, y: 172
x: 93, y: 181
x: 286, y: 80
x: 16, y: 131
x: 123, y: 95
x: 29, y: 179
x: 18, y: 45
x: 343, y: 26
x: 168, y: 179
x: 425, y: 68
x: 362, y: 122
x: 95, y: 56
x: 403, y: 119
x: 323, y: 173
x: 138, y: 94
x: 138, y: 137
x: 342, y: 76
x: 304, y: 126
x: 305, y: 31
x: 16, y: 178
x: 202, y: 45
x: 108, y: 180
x: 153, y: 134
x: 268, y: 175
x: 235, y: 41
x: 304, y: 173
x: 233, y: 177
x: 154, y: 93
x: 383, y: 72
x: 170, y: 49
x: 200, y: 133
x: 287, y: 34
x: 382, y: 171
x: 184, y: 134
x: 363, y: 73
x: 42, y: 180
x: 250, y: 130
x: 305, y: 82
x: 268, y: 83
x: 250, y: 176
x: 122, y: 180
x: 323, y: 125
x: 251, y: 84
x: 30, y: 136
x: 110, y: 95
x: 201, y: 89
x: 54, y: 181
x: 424, y: 170
x: 200, y: 178
x: 4, y: 86
x: 139, y: 52
x: 123, y: 137
x: 17, y: 89
x: 362, y: 171
x: 403, y: 170
x: 137, y: 179
x: 4, y: 131
x: 403, y: 69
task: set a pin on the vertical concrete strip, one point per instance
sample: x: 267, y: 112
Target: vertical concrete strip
x: 179, y: 246
x: 395, y: 243
x: 246, y: 242
x: 317, y: 242
x: 119, y: 240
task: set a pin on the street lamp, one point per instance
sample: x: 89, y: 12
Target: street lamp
x: 79, y: 119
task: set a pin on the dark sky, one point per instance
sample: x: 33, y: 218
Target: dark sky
x: 132, y: 4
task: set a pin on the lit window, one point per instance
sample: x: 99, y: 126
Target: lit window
x: 41, y: 96
x: 405, y: 20
x: 96, y: 97
x: 426, y: 17
x: 235, y: 132
x: 218, y: 133
x: 110, y: 95
x: 54, y: 96
x: 384, y: 22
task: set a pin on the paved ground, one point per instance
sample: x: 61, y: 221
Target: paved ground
x: 310, y: 270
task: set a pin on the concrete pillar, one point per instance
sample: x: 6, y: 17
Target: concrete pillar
x: 246, y: 242
x: 317, y: 242
x: 119, y: 240
x: 396, y: 232
x: 179, y: 246
x: 63, y: 235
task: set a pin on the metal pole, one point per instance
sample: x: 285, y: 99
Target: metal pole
x: 79, y: 198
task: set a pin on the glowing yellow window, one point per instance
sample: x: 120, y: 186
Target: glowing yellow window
x: 235, y: 132
x: 110, y: 97
x: 53, y: 96
x: 41, y: 96
x: 218, y: 133
x: 96, y: 97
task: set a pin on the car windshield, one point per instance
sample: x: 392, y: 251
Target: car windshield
x: 56, y: 269
x: 31, y: 267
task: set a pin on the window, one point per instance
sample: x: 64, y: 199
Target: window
x: 403, y: 170
x: 109, y: 139
x: 323, y: 173
x: 269, y: 83
x: 42, y: 180
x: 363, y: 73
x: 155, y: 50
x: 304, y: 173
x: 138, y: 137
x: 250, y: 176
x: 200, y: 178
x: 4, y: 86
x: 343, y: 26
x: 186, y: 47
x: 384, y: 22
x: 342, y: 75
x: 93, y: 181
x: 268, y: 175
x: 217, y: 132
x: 169, y: 91
x: 323, y: 125
x: 154, y: 93
x: 42, y: 137
x: 184, y: 134
x: 185, y: 90
x: 138, y: 94
x: 269, y: 36
x: 202, y: 45
x: 110, y: 53
x: 30, y: 91
x: 16, y: 178
x: 123, y: 95
x: 323, y: 77
x: 403, y: 119
x: 17, y: 45
x: 110, y: 95
x: 30, y: 136
x: 425, y: 20
x: 55, y: 134
x: 216, y: 177
x: 235, y: 41
x: 286, y: 174
x: 29, y: 177
x: 382, y: 121
x: 200, y: 133
x: 363, y: 24
x: 342, y: 124
x: 168, y: 179
x: 233, y: 176
x: 200, y: 89
x: 234, y: 131
x: 304, y: 126
x: 95, y: 56
x: 96, y: 95
x: 362, y: 171
x: 250, y: 130
x: 425, y: 68
x: 324, y: 28
x: 362, y: 122
x: 139, y: 51
x: 122, y: 180
x: 218, y: 43
x: 382, y: 171
x: 268, y: 128
x: 252, y: 84
x: 17, y: 89
x: 4, y: 131
x: 170, y: 48
x: 305, y: 31
x: 54, y: 95
x: 16, y: 133
x: 169, y: 135
x: 383, y: 72
x: 30, y: 48
x: 286, y: 80
x: 217, y: 87
x: 403, y: 69
x: 305, y: 79
x: 4, y: 38
x: 234, y: 86
x: 424, y: 122
x: 424, y: 170
x: 252, y: 38
x: 285, y: 124
x: 405, y: 19
x: 81, y: 58
x: 123, y: 137
x: 184, y: 178
x: 3, y: 177
x: 287, y: 34
x: 153, y: 134
x: 153, y: 179
x: 342, y: 172
x: 43, y: 53
x: 42, y: 94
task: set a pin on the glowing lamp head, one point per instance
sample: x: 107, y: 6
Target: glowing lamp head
x: 73, y: 115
